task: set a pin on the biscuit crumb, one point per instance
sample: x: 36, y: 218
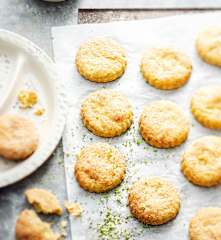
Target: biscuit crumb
x: 39, y: 112
x: 63, y: 227
x: 63, y: 224
x: 74, y: 209
x: 27, y: 98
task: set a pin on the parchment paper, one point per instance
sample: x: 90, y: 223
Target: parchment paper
x: 143, y: 160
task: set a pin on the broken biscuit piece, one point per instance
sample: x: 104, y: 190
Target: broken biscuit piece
x: 43, y: 201
x: 74, y: 209
x: 30, y: 227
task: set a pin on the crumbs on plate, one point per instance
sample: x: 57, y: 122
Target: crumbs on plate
x: 39, y: 112
x: 27, y: 98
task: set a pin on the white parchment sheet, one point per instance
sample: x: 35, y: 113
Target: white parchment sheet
x: 106, y: 216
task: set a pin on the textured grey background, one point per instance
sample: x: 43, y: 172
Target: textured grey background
x: 148, y: 4
x: 34, y: 19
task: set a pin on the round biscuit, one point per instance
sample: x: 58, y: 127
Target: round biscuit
x: 206, y: 106
x: 163, y: 124
x: 18, y: 137
x: 166, y: 68
x: 201, y: 163
x: 101, y: 59
x: 154, y: 201
x: 100, y: 167
x: 208, y: 45
x: 206, y: 224
x: 106, y: 113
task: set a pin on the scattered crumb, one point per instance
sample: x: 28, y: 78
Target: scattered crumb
x: 43, y: 201
x: 39, y: 112
x: 63, y: 224
x: 63, y: 227
x: 27, y: 98
x: 74, y: 209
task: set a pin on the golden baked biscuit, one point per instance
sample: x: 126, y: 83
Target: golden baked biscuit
x: 43, y: 201
x: 101, y: 59
x: 106, y: 113
x: 201, y: 162
x: 206, y: 106
x: 206, y: 224
x: 166, y: 68
x: 163, y: 124
x: 30, y: 227
x: 18, y: 137
x: 208, y: 45
x: 99, y: 167
x: 154, y: 201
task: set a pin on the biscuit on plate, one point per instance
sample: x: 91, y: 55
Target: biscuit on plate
x: 208, y: 45
x: 101, y: 60
x: 163, y: 124
x: 30, y: 227
x: 18, y: 137
x: 201, y: 162
x: 206, y: 224
x: 106, y: 113
x: 154, y: 201
x: 166, y: 68
x: 206, y: 106
x: 43, y: 201
x: 100, y: 167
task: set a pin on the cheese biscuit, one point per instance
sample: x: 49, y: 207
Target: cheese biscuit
x: 206, y: 224
x: 201, y: 162
x: 106, y: 113
x: 163, y: 124
x: 99, y: 167
x: 154, y: 201
x: 206, y: 106
x: 101, y: 60
x: 18, y: 137
x: 208, y: 45
x: 166, y: 68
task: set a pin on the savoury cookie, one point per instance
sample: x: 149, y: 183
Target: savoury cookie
x: 106, y: 113
x: 101, y: 60
x: 206, y: 224
x: 99, y: 167
x: 206, y: 106
x: 43, y: 201
x: 154, y: 201
x: 163, y: 125
x: 166, y: 68
x: 30, y: 227
x: 208, y: 45
x: 201, y: 162
x: 18, y: 137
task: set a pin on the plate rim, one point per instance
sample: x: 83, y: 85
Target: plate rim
x: 29, y: 167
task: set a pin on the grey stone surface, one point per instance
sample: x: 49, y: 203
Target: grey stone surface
x: 107, y: 15
x: 33, y: 19
x: 149, y: 4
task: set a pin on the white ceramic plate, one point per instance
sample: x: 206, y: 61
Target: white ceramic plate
x: 25, y: 66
